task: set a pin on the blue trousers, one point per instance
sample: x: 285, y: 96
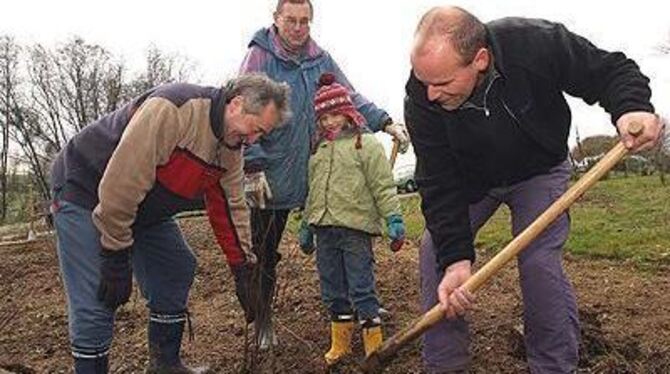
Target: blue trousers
x: 551, y: 326
x: 346, y: 271
x: 162, y: 263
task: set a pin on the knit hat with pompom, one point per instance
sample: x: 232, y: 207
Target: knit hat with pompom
x: 334, y: 98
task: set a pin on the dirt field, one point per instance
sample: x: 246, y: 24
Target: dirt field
x: 625, y: 315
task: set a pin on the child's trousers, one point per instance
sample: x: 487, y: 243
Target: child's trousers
x: 345, y: 262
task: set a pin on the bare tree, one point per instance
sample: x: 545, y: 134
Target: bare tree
x: 49, y: 94
x: 114, y: 87
x: 162, y: 68
x: 45, y: 97
x: 72, y: 86
x: 26, y: 132
x: 9, y: 61
x: 84, y: 78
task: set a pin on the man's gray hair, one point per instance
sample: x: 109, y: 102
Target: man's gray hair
x: 280, y: 5
x: 258, y: 91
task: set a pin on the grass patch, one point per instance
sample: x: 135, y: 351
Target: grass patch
x: 623, y: 219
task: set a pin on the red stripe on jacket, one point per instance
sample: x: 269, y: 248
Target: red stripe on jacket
x: 190, y: 177
x: 219, y: 217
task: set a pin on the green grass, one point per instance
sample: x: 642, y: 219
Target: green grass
x: 619, y: 218
x: 623, y: 218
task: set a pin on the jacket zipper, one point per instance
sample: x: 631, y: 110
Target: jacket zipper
x: 511, y: 114
x: 487, y: 112
x: 330, y: 173
x: 485, y: 107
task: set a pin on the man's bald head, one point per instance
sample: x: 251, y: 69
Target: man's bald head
x: 449, y: 55
x: 452, y: 25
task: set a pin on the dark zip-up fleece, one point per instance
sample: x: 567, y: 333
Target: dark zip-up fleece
x: 158, y: 155
x: 514, y: 129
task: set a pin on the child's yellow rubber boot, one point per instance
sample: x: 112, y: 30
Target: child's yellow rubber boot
x: 341, y: 329
x: 372, y: 335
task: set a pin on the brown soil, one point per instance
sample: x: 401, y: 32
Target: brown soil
x: 625, y: 315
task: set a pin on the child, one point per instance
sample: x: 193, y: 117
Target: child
x: 351, y: 190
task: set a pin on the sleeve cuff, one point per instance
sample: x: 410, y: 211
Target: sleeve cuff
x: 253, y: 167
x: 448, y: 257
x: 385, y: 121
x: 615, y: 115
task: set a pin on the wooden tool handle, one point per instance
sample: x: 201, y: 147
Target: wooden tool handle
x: 394, y: 152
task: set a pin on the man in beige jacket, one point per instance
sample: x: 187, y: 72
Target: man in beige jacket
x: 118, y: 183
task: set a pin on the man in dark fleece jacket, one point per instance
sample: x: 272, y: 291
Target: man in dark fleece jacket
x: 489, y: 125
x: 116, y: 186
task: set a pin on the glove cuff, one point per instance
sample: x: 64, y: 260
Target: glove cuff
x: 397, y: 244
x: 253, y: 167
x: 386, y: 123
x: 115, y: 252
x: 394, y: 218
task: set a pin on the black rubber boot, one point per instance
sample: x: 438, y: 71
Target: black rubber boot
x: 165, y: 333
x: 90, y: 361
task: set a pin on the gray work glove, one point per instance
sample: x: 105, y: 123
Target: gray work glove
x: 257, y: 189
x: 399, y: 133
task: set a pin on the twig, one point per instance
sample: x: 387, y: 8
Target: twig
x: 8, y: 317
x: 309, y: 345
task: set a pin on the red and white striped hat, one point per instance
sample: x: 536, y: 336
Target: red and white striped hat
x: 334, y: 98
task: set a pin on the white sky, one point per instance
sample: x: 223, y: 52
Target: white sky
x: 370, y: 39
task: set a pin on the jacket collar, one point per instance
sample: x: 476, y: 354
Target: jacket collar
x: 217, y: 109
x: 479, y: 97
x: 496, y: 52
x: 349, y: 132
